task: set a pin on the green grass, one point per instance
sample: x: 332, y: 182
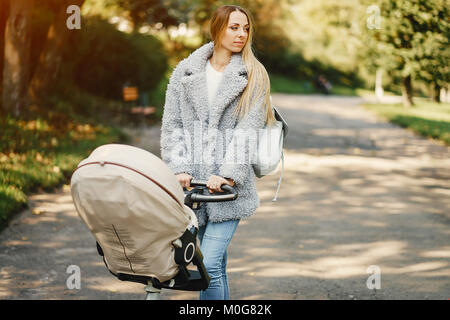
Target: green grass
x: 36, y: 155
x: 282, y: 84
x: 426, y: 118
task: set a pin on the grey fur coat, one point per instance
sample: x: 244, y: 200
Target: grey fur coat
x: 203, y: 140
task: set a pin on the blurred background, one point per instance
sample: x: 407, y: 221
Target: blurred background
x: 74, y: 72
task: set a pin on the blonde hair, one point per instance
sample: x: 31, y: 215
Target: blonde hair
x: 258, y: 84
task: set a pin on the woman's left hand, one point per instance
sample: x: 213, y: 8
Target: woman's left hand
x: 215, y: 182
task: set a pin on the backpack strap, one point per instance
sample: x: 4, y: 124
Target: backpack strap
x: 278, y: 116
x: 281, y: 177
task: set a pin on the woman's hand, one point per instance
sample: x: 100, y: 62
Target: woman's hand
x: 215, y: 182
x: 184, y: 179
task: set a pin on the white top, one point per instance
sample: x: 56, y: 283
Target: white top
x: 213, y: 78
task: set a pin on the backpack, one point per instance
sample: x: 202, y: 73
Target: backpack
x: 269, y: 151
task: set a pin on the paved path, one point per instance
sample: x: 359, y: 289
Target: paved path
x: 357, y: 192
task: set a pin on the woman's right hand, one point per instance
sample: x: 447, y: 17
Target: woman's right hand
x: 184, y: 179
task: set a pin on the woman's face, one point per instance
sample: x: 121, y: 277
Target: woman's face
x: 236, y: 34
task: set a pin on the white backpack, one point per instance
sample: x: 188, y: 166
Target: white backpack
x: 270, y: 149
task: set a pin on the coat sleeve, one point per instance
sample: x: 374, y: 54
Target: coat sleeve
x: 239, y: 152
x: 173, y: 146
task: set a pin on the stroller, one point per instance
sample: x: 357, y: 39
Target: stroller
x: 141, y: 218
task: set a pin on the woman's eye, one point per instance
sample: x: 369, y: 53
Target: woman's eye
x: 235, y: 28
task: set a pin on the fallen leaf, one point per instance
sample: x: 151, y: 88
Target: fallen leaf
x: 37, y: 211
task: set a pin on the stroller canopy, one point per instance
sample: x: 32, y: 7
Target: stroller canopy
x: 134, y: 206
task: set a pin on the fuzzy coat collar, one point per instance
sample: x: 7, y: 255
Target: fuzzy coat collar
x: 234, y: 81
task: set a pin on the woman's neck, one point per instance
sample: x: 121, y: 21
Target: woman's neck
x: 220, y: 59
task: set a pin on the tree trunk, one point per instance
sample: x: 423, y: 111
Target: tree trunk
x: 407, y: 92
x: 436, y: 93
x: 4, y: 13
x: 50, y: 60
x: 16, y: 69
x: 444, y: 95
x: 379, y: 92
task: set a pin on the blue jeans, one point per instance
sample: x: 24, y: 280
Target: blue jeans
x: 214, y: 239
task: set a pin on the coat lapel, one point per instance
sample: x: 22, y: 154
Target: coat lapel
x: 234, y: 81
x: 196, y: 91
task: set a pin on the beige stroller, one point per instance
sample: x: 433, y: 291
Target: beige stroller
x: 142, y: 219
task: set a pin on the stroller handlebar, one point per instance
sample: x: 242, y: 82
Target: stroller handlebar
x: 230, y: 193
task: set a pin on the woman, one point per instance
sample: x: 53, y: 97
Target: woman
x: 214, y: 98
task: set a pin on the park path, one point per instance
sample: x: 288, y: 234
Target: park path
x: 357, y: 192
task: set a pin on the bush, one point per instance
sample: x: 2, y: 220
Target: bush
x: 293, y: 65
x: 101, y: 59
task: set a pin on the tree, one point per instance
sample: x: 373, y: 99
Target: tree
x: 4, y: 13
x: 430, y: 47
x: 411, y: 43
x: 16, y: 68
x: 50, y: 59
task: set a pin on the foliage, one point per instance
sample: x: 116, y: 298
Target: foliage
x: 412, y: 40
x: 279, y: 83
x: 142, y: 12
x: 41, y: 154
x: 324, y: 38
x: 101, y: 59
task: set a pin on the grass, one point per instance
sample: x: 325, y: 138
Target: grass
x: 39, y: 155
x: 426, y: 118
x: 283, y: 84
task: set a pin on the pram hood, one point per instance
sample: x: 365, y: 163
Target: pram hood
x: 133, y: 204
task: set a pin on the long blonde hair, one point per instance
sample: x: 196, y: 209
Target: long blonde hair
x: 258, y: 84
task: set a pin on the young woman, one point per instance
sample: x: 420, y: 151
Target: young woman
x: 220, y: 91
